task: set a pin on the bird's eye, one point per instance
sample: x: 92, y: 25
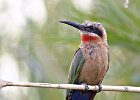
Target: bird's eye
x: 89, y: 28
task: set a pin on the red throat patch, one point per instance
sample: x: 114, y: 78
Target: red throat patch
x: 87, y: 38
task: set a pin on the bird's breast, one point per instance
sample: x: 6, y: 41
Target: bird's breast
x: 96, y: 63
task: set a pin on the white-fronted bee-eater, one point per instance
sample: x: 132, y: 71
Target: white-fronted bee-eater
x: 90, y: 62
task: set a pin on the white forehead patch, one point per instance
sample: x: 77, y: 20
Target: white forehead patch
x: 89, y: 24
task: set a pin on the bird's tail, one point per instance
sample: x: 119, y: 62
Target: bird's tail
x: 92, y: 95
x: 81, y: 95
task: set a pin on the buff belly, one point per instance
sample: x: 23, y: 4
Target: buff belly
x: 95, y: 66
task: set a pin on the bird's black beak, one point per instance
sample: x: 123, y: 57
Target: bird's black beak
x: 74, y: 24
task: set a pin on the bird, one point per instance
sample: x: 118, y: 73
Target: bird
x: 90, y: 62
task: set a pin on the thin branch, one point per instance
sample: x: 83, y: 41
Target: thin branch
x: 70, y: 86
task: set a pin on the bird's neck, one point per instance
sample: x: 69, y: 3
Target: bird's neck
x: 91, y: 40
x: 88, y: 38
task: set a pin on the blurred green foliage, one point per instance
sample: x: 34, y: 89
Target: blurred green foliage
x: 48, y: 50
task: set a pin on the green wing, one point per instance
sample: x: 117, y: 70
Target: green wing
x: 75, y: 68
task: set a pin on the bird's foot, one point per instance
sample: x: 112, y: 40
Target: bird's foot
x: 100, y: 88
x: 86, y: 86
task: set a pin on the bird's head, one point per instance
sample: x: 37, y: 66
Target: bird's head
x: 90, y: 31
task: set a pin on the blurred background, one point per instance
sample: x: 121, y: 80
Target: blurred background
x: 35, y: 47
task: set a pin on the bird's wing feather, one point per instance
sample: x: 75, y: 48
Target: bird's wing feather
x: 75, y: 68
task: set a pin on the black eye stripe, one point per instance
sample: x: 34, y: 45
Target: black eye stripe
x: 89, y: 28
x: 94, y: 30
x: 97, y: 31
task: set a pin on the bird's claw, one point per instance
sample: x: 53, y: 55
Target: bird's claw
x: 86, y: 86
x: 100, y: 88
